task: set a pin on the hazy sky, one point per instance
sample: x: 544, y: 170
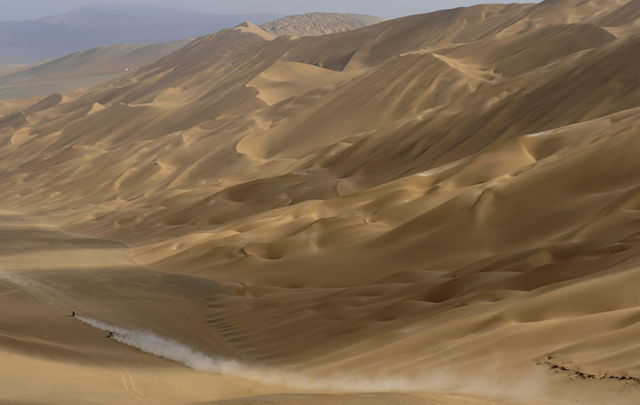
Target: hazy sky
x: 32, y: 9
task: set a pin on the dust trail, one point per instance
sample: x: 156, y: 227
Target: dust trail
x: 151, y: 343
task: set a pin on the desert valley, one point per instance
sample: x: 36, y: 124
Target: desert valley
x: 442, y: 208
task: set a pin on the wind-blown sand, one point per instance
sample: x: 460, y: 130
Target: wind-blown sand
x: 444, y: 204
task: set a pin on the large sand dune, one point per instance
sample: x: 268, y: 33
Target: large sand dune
x: 439, y: 208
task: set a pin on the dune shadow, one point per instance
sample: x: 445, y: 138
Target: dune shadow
x: 20, y: 236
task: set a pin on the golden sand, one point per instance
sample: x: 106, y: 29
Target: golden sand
x: 442, y: 208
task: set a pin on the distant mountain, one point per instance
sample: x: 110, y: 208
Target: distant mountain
x: 24, y: 42
x: 306, y: 25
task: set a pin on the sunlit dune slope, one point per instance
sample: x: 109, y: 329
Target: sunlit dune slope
x: 455, y: 192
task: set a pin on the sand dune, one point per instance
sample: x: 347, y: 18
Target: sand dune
x: 442, y: 207
x: 49, y: 356
x: 284, y: 80
x: 81, y: 69
x: 251, y: 28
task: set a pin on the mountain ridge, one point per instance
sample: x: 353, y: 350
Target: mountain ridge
x: 313, y: 24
